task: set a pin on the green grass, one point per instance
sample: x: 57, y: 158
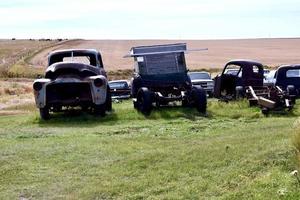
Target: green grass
x: 232, y: 153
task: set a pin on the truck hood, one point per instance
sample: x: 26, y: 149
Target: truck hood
x: 71, y: 68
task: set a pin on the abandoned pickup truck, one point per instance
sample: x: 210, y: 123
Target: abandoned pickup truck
x: 120, y: 89
x: 203, y: 79
x: 287, y: 77
x: 73, y: 78
x: 161, y: 77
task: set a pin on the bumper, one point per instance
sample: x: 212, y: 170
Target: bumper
x: 120, y: 96
x: 208, y: 89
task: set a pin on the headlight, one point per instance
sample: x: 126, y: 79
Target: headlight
x: 98, y: 82
x: 37, y: 86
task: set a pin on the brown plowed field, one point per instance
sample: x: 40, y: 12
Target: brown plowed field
x: 271, y: 52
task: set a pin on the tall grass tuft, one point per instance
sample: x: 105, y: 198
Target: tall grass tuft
x: 233, y: 110
x: 23, y: 70
x: 297, y: 137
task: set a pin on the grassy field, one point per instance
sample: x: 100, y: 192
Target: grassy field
x: 232, y: 153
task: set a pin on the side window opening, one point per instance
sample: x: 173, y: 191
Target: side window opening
x: 255, y: 69
x: 138, y: 64
x: 258, y: 72
x: 275, y: 75
x: 293, y: 73
x: 99, y: 61
x: 233, y: 70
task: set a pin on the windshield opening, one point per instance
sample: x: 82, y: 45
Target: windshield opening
x: 86, y: 58
x: 200, y: 75
x: 118, y: 85
x: 79, y: 59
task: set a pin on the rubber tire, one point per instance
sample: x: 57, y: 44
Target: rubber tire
x: 239, y: 92
x: 200, y: 99
x: 265, y: 111
x: 135, y: 86
x: 99, y: 110
x: 108, y: 101
x: 144, y: 101
x: 44, y: 113
x: 135, y: 105
x: 252, y: 103
x: 291, y: 91
x: 185, y: 103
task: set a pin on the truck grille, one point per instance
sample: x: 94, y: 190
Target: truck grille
x: 203, y: 85
x: 68, y: 93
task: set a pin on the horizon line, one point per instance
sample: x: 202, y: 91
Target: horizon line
x: 149, y: 39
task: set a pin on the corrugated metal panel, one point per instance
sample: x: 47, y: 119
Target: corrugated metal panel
x: 162, y: 64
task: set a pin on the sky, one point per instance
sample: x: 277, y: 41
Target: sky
x: 149, y: 19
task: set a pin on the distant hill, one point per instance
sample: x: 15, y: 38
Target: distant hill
x: 271, y: 52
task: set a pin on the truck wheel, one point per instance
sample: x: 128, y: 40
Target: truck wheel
x: 100, y: 109
x: 265, y: 111
x: 252, y: 102
x: 199, y: 99
x: 44, y: 113
x: 108, y: 101
x: 291, y: 90
x: 185, y: 102
x: 144, y: 101
x: 135, y: 85
x: 292, y: 93
x: 239, y: 92
x: 135, y: 104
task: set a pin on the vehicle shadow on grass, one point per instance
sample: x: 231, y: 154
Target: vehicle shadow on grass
x: 292, y: 113
x: 175, y: 112
x: 79, y: 118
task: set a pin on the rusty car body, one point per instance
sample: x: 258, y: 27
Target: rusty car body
x: 236, y: 76
x: 245, y: 78
x: 73, y: 78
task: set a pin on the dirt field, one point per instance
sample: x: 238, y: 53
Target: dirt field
x: 11, y: 51
x: 15, y: 94
x: 271, y: 52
